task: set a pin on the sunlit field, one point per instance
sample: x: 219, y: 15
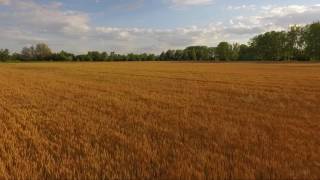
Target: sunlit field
x: 159, y: 120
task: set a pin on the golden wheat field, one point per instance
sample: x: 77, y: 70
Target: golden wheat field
x: 150, y: 120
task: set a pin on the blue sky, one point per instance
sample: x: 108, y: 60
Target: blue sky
x: 144, y: 25
x: 163, y: 13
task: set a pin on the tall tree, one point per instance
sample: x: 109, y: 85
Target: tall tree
x: 235, y: 51
x: 193, y: 54
x: 223, y: 51
x: 246, y: 53
x: 42, y: 51
x: 170, y: 54
x: 295, y: 43
x: 178, y: 55
x: 28, y: 53
x: 4, y: 55
x: 270, y: 45
x: 312, y: 40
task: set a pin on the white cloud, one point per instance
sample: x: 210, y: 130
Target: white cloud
x: 166, y: 38
x: 50, y: 17
x: 5, y: 2
x: 179, y: 3
x: 45, y: 18
x: 243, y: 7
x: 238, y: 29
x: 281, y: 17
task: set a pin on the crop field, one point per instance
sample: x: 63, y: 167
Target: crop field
x: 159, y: 120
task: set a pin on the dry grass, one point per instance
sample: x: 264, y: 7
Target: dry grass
x: 159, y: 120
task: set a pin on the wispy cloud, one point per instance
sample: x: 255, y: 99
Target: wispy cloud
x: 243, y: 7
x: 5, y: 2
x: 190, y: 2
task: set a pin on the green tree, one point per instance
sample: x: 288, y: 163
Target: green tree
x: 95, y: 56
x: 246, y: 53
x: 162, y: 56
x: 4, y: 55
x: 270, y: 46
x: 62, y: 56
x: 178, y: 55
x: 28, y: 53
x: 201, y: 53
x: 235, y: 51
x: 42, y: 51
x: 104, y: 56
x: 211, y: 52
x: 151, y: 57
x: 170, y: 55
x: 312, y: 40
x: 224, y: 51
x: 193, y: 54
x: 295, y: 43
x: 83, y: 57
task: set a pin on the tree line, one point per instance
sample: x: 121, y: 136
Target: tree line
x: 300, y: 43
